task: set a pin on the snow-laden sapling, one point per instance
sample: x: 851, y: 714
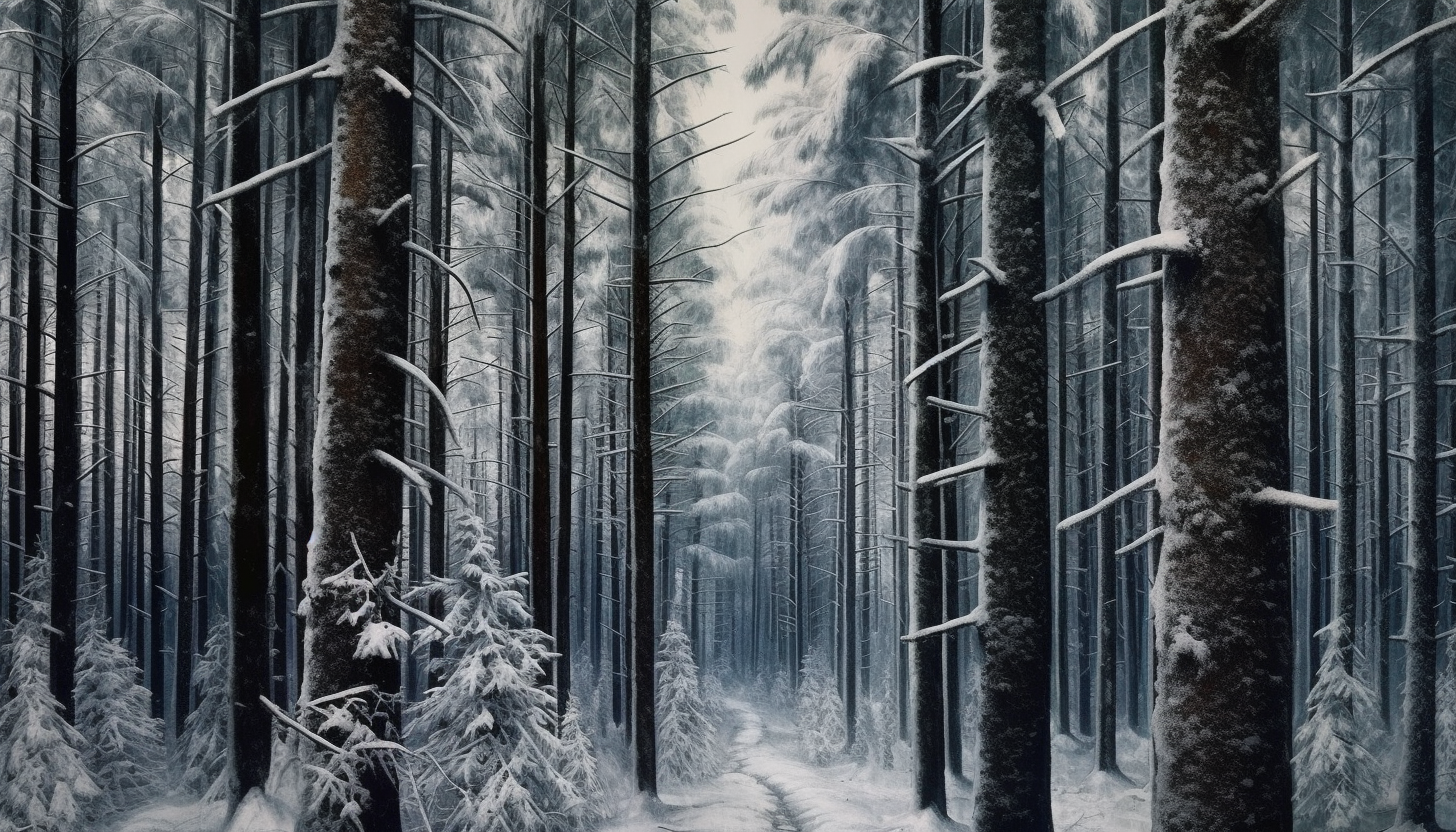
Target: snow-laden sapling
x: 1446, y: 724
x: 202, y: 750
x: 1336, y: 778
x: 45, y: 785
x: 579, y: 767
x: 492, y: 762
x: 819, y: 711
x: 687, y: 748
x: 125, y: 745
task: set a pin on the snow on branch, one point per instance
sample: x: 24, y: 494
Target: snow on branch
x: 1146, y: 139
x: 103, y: 140
x: 974, y: 618
x: 1139, y: 282
x: 467, y: 17
x: 405, y: 471
x: 1290, y: 499
x: 297, y: 7
x: 435, y: 392
x: 266, y: 176
x: 953, y: 545
x: 980, y: 463
x: 281, y: 81
x: 392, y: 82
x: 416, y: 248
x: 987, y: 83
x: 1095, y: 56
x: 1151, y: 535
x: 1168, y: 242
x: 454, y: 487
x: 981, y: 279
x: 1370, y: 65
x: 439, y: 115
x: 942, y: 357
x: 1249, y: 19
x: 1110, y: 500
x: 382, y: 217
x: 930, y: 65
x: 956, y: 407
x: 904, y: 147
x: 955, y: 164
x: 289, y: 721
x: 1290, y: 175
x: 445, y: 629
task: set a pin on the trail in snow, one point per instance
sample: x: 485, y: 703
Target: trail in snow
x: 750, y: 734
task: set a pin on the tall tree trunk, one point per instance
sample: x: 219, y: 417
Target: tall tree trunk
x: 1380, y: 550
x: 1016, y: 557
x: 439, y: 339
x: 641, y: 501
x: 156, y: 516
x: 361, y: 397
x: 248, y: 552
x: 566, y: 406
x: 1314, y: 436
x: 15, y: 543
x: 540, y: 533
x: 1416, y: 804
x: 849, y: 540
x: 1107, y: 462
x: 35, y: 308
x: 1222, y: 605
x: 927, y: 569
x: 187, y: 540
x: 1343, y: 571
x: 66, y: 472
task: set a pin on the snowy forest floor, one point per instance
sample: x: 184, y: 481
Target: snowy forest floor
x: 768, y: 786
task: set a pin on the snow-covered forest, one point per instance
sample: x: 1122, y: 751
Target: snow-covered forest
x: 751, y: 415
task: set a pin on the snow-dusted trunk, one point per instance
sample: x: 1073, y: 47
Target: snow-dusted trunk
x: 66, y: 467
x: 540, y: 532
x: 361, y: 396
x: 15, y: 400
x: 640, y: 475
x: 567, y: 356
x: 1014, y: 769
x: 248, y: 561
x: 34, y: 304
x: 1343, y: 569
x: 927, y: 570
x: 1221, y: 717
x: 156, y: 516
x: 849, y: 539
x: 1417, y: 801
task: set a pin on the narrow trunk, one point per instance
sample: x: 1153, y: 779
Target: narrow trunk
x: 1343, y: 570
x: 540, y: 533
x: 849, y: 539
x: 566, y: 406
x: 156, y: 516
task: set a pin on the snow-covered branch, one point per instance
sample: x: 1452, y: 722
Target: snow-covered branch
x: 441, y: 8
x: 1290, y: 499
x: 1139, y: 282
x: 1151, y: 535
x: 441, y: 116
x: 103, y: 140
x: 1249, y: 20
x: 281, y: 81
x: 953, y: 545
x: 1168, y: 242
x: 930, y: 65
x: 1290, y: 175
x: 1143, y: 141
x: 405, y: 471
x: 955, y: 164
x: 981, y: 279
x: 1095, y: 56
x: 942, y: 357
x: 445, y: 629
x: 987, y: 83
x: 289, y: 721
x: 957, y: 407
x: 416, y: 248
x: 971, y: 619
x: 1110, y: 500
x: 980, y: 463
x: 1370, y: 65
x: 392, y: 82
x: 904, y: 147
x: 266, y: 176
x: 294, y: 8
x: 450, y: 484
x: 435, y: 392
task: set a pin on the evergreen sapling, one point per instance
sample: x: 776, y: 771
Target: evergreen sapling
x: 686, y: 741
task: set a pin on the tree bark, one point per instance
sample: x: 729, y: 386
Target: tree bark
x: 361, y: 397
x: 1014, y: 773
x: 157, y: 476
x: 1221, y: 598
x: 566, y: 403
x: 540, y: 533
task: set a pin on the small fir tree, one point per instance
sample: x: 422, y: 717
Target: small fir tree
x: 686, y: 742
x: 1446, y: 725
x: 579, y: 767
x: 818, y: 711
x: 494, y: 763
x: 125, y: 747
x: 1336, y: 778
x: 202, y: 751
x: 45, y: 785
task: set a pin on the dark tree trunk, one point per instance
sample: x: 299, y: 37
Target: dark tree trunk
x: 66, y: 471
x: 439, y: 337
x: 15, y: 543
x: 361, y: 397
x: 540, y: 533
x: 1015, y: 760
x: 641, y: 501
x: 849, y: 540
x: 248, y: 552
x: 562, y: 625
x: 157, y: 477
x: 1416, y: 804
x: 1343, y: 571
x: 1222, y: 611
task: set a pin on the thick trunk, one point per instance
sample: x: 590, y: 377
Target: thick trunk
x: 1014, y: 774
x: 361, y: 397
x: 1343, y: 571
x: 66, y: 470
x: 1416, y: 804
x: 1221, y: 598
x: 15, y: 401
x: 248, y: 560
x: 439, y: 338
x: 641, y: 501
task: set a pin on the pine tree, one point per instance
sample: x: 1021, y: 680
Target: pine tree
x: 1336, y: 778
x: 820, y: 714
x: 1446, y: 725
x: 125, y: 747
x: 203, y: 746
x: 495, y: 765
x: 45, y: 785
x: 579, y: 766
x: 687, y: 749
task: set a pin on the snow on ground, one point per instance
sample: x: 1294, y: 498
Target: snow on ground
x: 176, y: 817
